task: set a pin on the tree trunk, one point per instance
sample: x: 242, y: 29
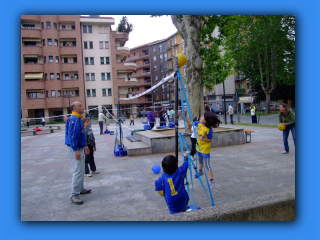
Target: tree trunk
x: 189, y: 26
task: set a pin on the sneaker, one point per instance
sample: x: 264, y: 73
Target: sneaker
x: 76, y: 200
x: 85, y: 191
x: 88, y: 175
x: 95, y: 172
x: 201, y: 173
x: 212, y: 184
x: 284, y: 152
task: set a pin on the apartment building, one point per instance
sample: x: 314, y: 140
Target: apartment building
x: 51, y: 65
x: 139, y: 81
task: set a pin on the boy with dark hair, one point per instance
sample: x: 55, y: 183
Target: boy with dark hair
x: 171, y: 184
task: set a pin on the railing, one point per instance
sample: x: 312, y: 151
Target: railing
x: 139, y: 56
x: 121, y: 33
x: 240, y: 90
x: 237, y: 77
x: 76, y: 95
x: 143, y: 64
x: 169, y: 46
x: 36, y: 97
x: 37, y: 28
x: 123, y: 48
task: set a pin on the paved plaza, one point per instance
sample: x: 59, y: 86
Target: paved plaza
x: 124, y: 189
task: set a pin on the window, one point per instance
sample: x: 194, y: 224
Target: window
x: 93, y: 93
x: 55, y: 26
x: 106, y: 45
x: 165, y: 47
x: 88, y: 93
x: 43, y: 42
x: 51, y: 76
x: 58, y: 77
x: 50, y: 59
x: 45, y: 59
x: 42, y: 25
x: 154, y: 49
x: 161, y: 58
x: 75, y: 76
x: 46, y: 76
x: 154, y: 58
x: 57, y: 59
x: 53, y: 93
x: 175, y: 50
x: 103, y: 29
x: 103, y: 76
x: 100, y: 45
x: 102, y: 60
x: 49, y: 42
x: 155, y: 77
x: 161, y: 68
x: 92, y: 77
x: 65, y: 60
x: 56, y: 42
x: 73, y: 27
x: 108, y: 76
x: 137, y: 88
x: 66, y: 77
x: 63, y: 27
x: 86, y: 61
x: 90, y: 31
x: 49, y: 25
x: 85, y: 45
x: 91, y: 45
x: 165, y: 56
x: 154, y: 67
x: 84, y: 29
x: 87, y: 77
x: 91, y: 61
x: 75, y: 60
x: 160, y: 48
x: 47, y: 94
x: 109, y: 92
x: 59, y: 93
x: 104, y: 92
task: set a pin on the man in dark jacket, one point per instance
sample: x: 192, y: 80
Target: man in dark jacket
x: 75, y: 139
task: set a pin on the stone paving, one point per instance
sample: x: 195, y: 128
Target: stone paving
x: 124, y: 189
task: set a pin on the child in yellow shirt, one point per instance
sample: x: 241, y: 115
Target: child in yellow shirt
x: 204, y: 137
x: 131, y: 120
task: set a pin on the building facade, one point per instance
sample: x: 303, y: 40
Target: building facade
x: 51, y: 65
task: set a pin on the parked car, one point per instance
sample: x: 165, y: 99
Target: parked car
x: 219, y: 110
x: 272, y: 106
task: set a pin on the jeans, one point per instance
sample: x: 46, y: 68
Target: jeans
x: 78, y: 171
x: 89, y: 161
x: 101, y: 126
x: 151, y: 124
x: 231, y: 118
x: 131, y: 122
x: 286, y: 135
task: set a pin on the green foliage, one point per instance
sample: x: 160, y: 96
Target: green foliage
x: 124, y: 25
x: 262, y: 46
x: 218, y: 64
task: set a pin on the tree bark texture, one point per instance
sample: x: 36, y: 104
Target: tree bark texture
x: 189, y: 27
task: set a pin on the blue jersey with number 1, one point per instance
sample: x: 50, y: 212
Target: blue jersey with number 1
x: 174, y: 190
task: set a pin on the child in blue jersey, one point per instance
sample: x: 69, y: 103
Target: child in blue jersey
x: 171, y: 184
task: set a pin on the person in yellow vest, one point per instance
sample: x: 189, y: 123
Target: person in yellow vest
x: 131, y: 120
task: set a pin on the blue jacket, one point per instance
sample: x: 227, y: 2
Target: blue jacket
x: 75, y: 133
x: 175, y: 193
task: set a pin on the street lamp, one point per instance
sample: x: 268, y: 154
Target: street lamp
x: 225, y: 108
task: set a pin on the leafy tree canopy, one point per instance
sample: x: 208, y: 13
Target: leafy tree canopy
x: 124, y: 25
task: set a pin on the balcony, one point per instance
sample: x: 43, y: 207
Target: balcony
x: 35, y: 103
x: 143, y: 74
x: 35, y: 18
x: 144, y: 82
x: 122, y: 35
x: 143, y: 65
x: 32, y: 50
x: 68, y: 34
x: 169, y: 47
x: 237, y: 77
x: 33, y: 67
x: 34, y: 84
x: 70, y: 84
x: 123, y: 51
x: 127, y: 66
x: 31, y: 32
x: 241, y: 90
x: 69, y: 67
x: 133, y: 101
x: 123, y: 82
x: 68, y: 50
x: 140, y: 56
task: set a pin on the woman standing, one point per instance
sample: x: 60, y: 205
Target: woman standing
x: 287, y: 118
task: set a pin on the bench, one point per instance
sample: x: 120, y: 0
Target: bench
x: 57, y: 127
x: 50, y: 129
x: 248, y: 133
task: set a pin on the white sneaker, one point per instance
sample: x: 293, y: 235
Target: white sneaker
x: 88, y: 175
x: 284, y: 152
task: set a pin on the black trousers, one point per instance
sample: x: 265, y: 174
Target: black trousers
x: 193, y: 146
x: 89, y: 161
x: 151, y: 125
x: 101, y: 127
x: 131, y: 122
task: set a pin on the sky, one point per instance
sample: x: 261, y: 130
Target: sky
x: 145, y: 28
